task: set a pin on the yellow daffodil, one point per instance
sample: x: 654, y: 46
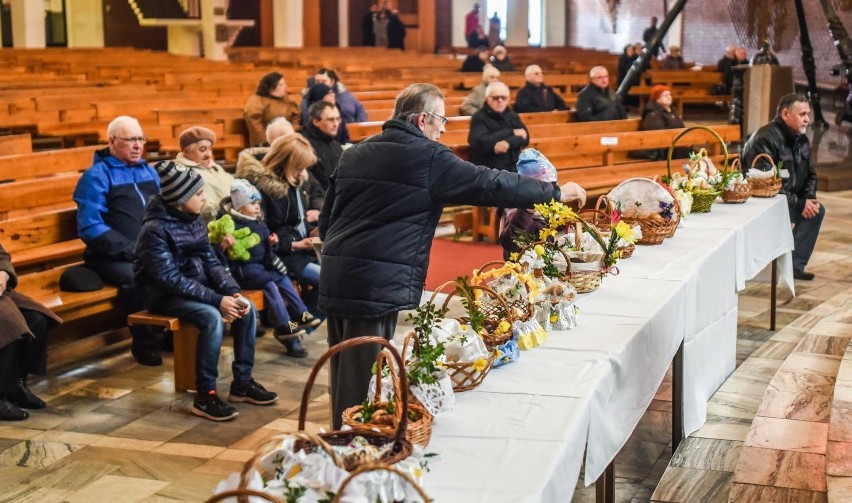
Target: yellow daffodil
x: 625, y: 232
x: 294, y: 471
x: 514, y: 256
x: 479, y: 365
x: 503, y: 327
x: 539, y: 250
x: 553, y: 318
x: 464, y: 327
x: 499, y: 353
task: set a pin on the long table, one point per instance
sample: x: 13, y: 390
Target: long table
x: 521, y: 435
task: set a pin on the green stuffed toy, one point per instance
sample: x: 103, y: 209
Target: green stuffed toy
x: 244, y: 238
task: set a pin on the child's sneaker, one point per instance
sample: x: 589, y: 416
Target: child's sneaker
x: 288, y: 331
x: 308, y: 321
x: 210, y: 406
x: 251, y: 391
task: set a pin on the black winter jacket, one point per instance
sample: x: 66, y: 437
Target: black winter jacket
x: 596, y: 104
x: 488, y: 127
x: 282, y: 213
x: 794, y: 150
x: 381, y: 210
x: 328, y: 151
x: 531, y: 99
x: 174, y: 258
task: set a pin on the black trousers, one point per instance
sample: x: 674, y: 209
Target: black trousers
x: 27, y: 355
x: 351, y: 369
x: 120, y: 274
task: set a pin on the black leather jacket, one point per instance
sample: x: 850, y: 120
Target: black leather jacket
x: 381, y: 210
x: 174, y: 258
x: 794, y: 150
x: 596, y: 104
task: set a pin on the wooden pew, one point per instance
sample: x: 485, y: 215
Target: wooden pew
x: 12, y: 144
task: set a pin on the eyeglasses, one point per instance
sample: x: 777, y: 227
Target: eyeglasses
x: 600, y: 77
x: 332, y: 119
x: 133, y: 139
x: 443, y: 119
x: 499, y: 98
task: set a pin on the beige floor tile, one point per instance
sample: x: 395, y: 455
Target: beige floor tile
x: 190, y: 450
x: 840, y: 425
x: 839, y: 459
x: 777, y: 350
x: 67, y: 437
x: 748, y: 493
x: 795, y: 470
x: 687, y: 484
x: 131, y: 444
x: 824, y: 344
x: 707, y: 454
x: 723, y: 431
x: 33, y: 494
x: 737, y: 405
x: 17, y: 433
x: 793, y: 405
x: 235, y: 455
x: 36, y: 454
x: 811, y: 363
x: 832, y: 328
x: 839, y: 489
x: 117, y: 490
x: 802, y: 383
x: 787, y: 435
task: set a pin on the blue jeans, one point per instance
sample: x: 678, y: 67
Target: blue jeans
x: 805, y: 233
x: 310, y: 277
x: 279, y: 294
x: 211, y: 327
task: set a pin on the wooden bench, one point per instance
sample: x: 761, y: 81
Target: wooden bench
x: 12, y: 144
x: 185, y: 339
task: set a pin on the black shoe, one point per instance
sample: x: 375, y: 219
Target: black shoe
x: 251, y: 392
x: 23, y: 397
x: 210, y: 406
x: 800, y: 274
x: 11, y: 412
x: 294, y: 348
x: 308, y: 321
x: 147, y: 357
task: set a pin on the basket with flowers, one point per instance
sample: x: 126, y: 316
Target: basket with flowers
x: 736, y: 188
x: 765, y: 183
x: 554, y: 304
x: 650, y: 206
x: 701, y: 179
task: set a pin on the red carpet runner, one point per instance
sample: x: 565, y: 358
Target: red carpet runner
x: 451, y: 259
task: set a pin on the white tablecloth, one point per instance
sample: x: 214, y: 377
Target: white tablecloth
x: 520, y: 436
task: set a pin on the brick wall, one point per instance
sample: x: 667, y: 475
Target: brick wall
x: 707, y: 29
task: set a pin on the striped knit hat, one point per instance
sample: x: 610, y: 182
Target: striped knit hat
x: 177, y: 183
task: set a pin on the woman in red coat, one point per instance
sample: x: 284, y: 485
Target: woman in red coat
x: 24, y: 324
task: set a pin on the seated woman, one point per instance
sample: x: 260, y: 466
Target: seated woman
x: 23, y: 344
x: 280, y: 178
x: 660, y: 114
x: 196, y: 153
x: 268, y: 102
x: 500, y: 60
x: 674, y: 61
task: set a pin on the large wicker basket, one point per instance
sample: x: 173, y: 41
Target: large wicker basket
x: 379, y: 466
x: 419, y: 429
x: 401, y: 448
x: 654, y: 230
x: 702, y: 200
x: 765, y: 187
x: 741, y: 192
x: 585, y: 276
x: 464, y: 375
x: 519, y: 308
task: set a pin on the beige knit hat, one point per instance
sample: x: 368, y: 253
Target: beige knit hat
x: 194, y: 134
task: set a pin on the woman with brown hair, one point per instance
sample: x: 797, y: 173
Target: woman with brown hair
x: 281, y: 178
x: 267, y: 103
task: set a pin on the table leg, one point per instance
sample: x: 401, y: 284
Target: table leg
x: 773, y: 294
x: 605, y: 485
x: 677, y: 398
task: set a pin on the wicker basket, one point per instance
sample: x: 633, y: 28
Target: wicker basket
x: 585, y: 276
x: 765, y: 187
x: 379, y: 466
x: 242, y: 492
x: 519, y: 310
x: 741, y: 192
x: 600, y: 218
x: 401, y: 446
x: 464, y: 376
x: 419, y: 430
x: 702, y: 200
x: 654, y: 230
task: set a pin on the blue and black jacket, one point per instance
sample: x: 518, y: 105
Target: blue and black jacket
x: 111, y: 197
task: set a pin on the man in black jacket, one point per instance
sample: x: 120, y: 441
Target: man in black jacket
x: 476, y: 62
x: 497, y: 134
x: 535, y: 96
x: 596, y: 101
x: 322, y: 133
x: 785, y: 141
x: 379, y: 218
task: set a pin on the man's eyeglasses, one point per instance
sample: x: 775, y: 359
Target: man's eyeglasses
x: 443, y: 119
x: 600, y: 77
x: 133, y: 139
x: 499, y: 98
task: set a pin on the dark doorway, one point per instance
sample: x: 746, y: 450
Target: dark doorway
x: 443, y: 23
x: 246, y: 9
x: 329, y: 36
x: 121, y: 28
x: 55, y: 32
x: 6, y: 20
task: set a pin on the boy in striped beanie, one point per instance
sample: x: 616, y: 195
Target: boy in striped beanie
x: 179, y: 275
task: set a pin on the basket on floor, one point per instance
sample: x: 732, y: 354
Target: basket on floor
x: 702, y: 199
x: 740, y: 191
x: 765, y: 187
x: 401, y: 447
x: 490, y: 275
x: 655, y: 228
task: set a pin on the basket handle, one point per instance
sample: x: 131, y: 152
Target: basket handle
x: 761, y: 155
x: 410, y: 336
x: 348, y: 344
x: 736, y: 165
x: 242, y: 495
x: 693, y: 128
x: 370, y: 467
x: 380, y: 362
x: 492, y: 293
x: 440, y: 289
x: 559, y: 249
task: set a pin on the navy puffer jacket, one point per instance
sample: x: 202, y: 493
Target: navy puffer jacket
x: 381, y: 210
x: 174, y: 258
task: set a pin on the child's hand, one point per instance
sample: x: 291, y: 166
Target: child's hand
x: 227, y: 242
x: 231, y: 308
x: 273, y: 239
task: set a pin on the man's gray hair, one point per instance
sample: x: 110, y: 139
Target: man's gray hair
x: 531, y: 69
x: 787, y: 102
x: 277, y: 128
x: 415, y: 100
x: 121, y: 122
x: 495, y: 85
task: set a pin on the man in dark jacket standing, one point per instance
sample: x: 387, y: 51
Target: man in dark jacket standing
x: 379, y: 218
x: 111, y: 197
x: 322, y: 134
x: 596, y: 101
x: 497, y: 134
x: 785, y: 141
x: 535, y: 96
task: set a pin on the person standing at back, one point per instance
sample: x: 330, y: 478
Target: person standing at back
x: 471, y: 21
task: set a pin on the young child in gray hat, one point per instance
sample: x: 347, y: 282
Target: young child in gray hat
x: 179, y: 275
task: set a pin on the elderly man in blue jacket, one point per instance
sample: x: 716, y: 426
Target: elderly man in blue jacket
x: 380, y: 213
x: 111, y: 196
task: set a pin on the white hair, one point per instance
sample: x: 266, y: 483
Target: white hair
x: 530, y: 69
x: 121, y: 122
x: 495, y: 85
x: 277, y: 128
